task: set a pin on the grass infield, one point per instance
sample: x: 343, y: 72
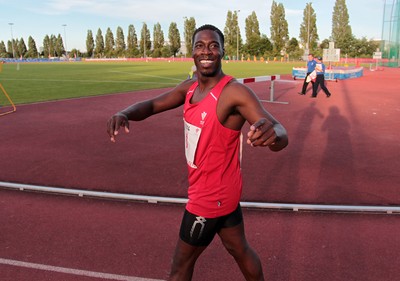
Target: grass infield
x: 37, y: 82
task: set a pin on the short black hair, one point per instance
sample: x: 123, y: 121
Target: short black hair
x: 210, y: 27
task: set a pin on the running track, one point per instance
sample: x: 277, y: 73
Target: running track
x: 352, y: 159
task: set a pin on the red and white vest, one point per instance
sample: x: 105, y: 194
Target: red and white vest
x: 212, y: 154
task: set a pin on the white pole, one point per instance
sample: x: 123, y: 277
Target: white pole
x: 65, y: 39
x: 174, y: 200
x: 144, y: 40
x: 237, y: 35
x: 12, y: 39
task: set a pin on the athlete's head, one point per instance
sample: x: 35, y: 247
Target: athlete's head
x: 208, y: 50
x: 210, y: 27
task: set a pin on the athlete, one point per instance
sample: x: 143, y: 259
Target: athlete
x: 215, y: 107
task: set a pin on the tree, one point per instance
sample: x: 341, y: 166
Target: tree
x: 174, y: 39
x: 74, y: 53
x: 99, y: 50
x: 132, y: 42
x: 293, y: 49
x: 189, y: 29
x: 50, y: 44
x: 89, y: 44
x: 166, y: 51
x: 308, y: 29
x: 120, y: 43
x: 32, y: 51
x: 3, y: 50
x: 158, y: 40
x: 46, y: 46
x: 253, y: 35
x: 16, y: 49
x: 109, y: 44
x: 265, y: 46
x: 363, y: 47
x: 145, y: 42
x: 341, y: 30
x: 10, y: 48
x: 59, y: 46
x: 279, y: 28
x: 324, y: 44
x: 232, y: 34
x: 53, y: 43
x: 22, y: 50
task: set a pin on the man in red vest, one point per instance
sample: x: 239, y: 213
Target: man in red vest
x: 216, y: 107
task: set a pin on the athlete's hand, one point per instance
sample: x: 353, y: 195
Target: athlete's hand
x: 117, y: 121
x: 265, y: 133
x: 261, y: 133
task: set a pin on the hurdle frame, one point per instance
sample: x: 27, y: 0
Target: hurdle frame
x: 9, y: 99
x: 271, y: 78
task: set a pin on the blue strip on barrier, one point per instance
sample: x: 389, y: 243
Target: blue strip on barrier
x: 340, y: 73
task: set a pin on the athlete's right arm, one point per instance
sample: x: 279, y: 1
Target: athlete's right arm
x: 144, y: 109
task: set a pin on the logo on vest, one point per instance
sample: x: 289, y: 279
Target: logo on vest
x: 203, y: 116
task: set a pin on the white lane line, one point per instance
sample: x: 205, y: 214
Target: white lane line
x: 73, y: 271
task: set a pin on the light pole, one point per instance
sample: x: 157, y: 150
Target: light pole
x: 308, y: 27
x: 184, y: 35
x: 237, y: 35
x: 65, y: 39
x: 12, y: 38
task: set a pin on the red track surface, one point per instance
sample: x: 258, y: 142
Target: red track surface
x: 343, y: 150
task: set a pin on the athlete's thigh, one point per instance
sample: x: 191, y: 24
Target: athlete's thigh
x: 185, y: 254
x: 197, y: 230
x: 233, y: 236
x: 232, y: 232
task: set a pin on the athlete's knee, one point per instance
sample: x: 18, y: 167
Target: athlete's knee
x: 181, y: 269
x: 237, y: 249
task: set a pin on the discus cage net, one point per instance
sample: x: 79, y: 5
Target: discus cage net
x: 390, y: 45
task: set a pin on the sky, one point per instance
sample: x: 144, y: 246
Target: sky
x: 73, y: 18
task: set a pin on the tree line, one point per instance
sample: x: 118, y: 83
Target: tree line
x: 256, y: 44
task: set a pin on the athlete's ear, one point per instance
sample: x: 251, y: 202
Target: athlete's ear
x: 223, y: 52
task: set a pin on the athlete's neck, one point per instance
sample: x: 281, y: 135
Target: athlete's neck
x: 206, y: 83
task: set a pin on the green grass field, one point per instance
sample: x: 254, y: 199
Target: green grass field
x: 36, y: 82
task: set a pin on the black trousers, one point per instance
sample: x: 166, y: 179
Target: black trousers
x: 305, y: 84
x: 320, y: 81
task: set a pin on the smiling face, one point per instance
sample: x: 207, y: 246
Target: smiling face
x: 207, y: 52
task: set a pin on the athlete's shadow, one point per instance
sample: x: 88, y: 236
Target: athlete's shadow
x: 292, y: 177
x: 337, y: 173
x: 297, y: 147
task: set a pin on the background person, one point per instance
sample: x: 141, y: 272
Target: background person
x: 320, y: 80
x: 192, y: 72
x: 215, y: 108
x: 310, y: 68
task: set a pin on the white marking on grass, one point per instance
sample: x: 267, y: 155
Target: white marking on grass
x: 93, y: 81
x: 147, y: 75
x: 72, y: 271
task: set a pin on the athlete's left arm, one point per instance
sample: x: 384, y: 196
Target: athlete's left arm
x: 265, y: 129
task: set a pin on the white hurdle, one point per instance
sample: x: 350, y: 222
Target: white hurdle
x: 271, y: 78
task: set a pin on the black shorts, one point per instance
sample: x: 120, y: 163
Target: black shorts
x: 200, y: 231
